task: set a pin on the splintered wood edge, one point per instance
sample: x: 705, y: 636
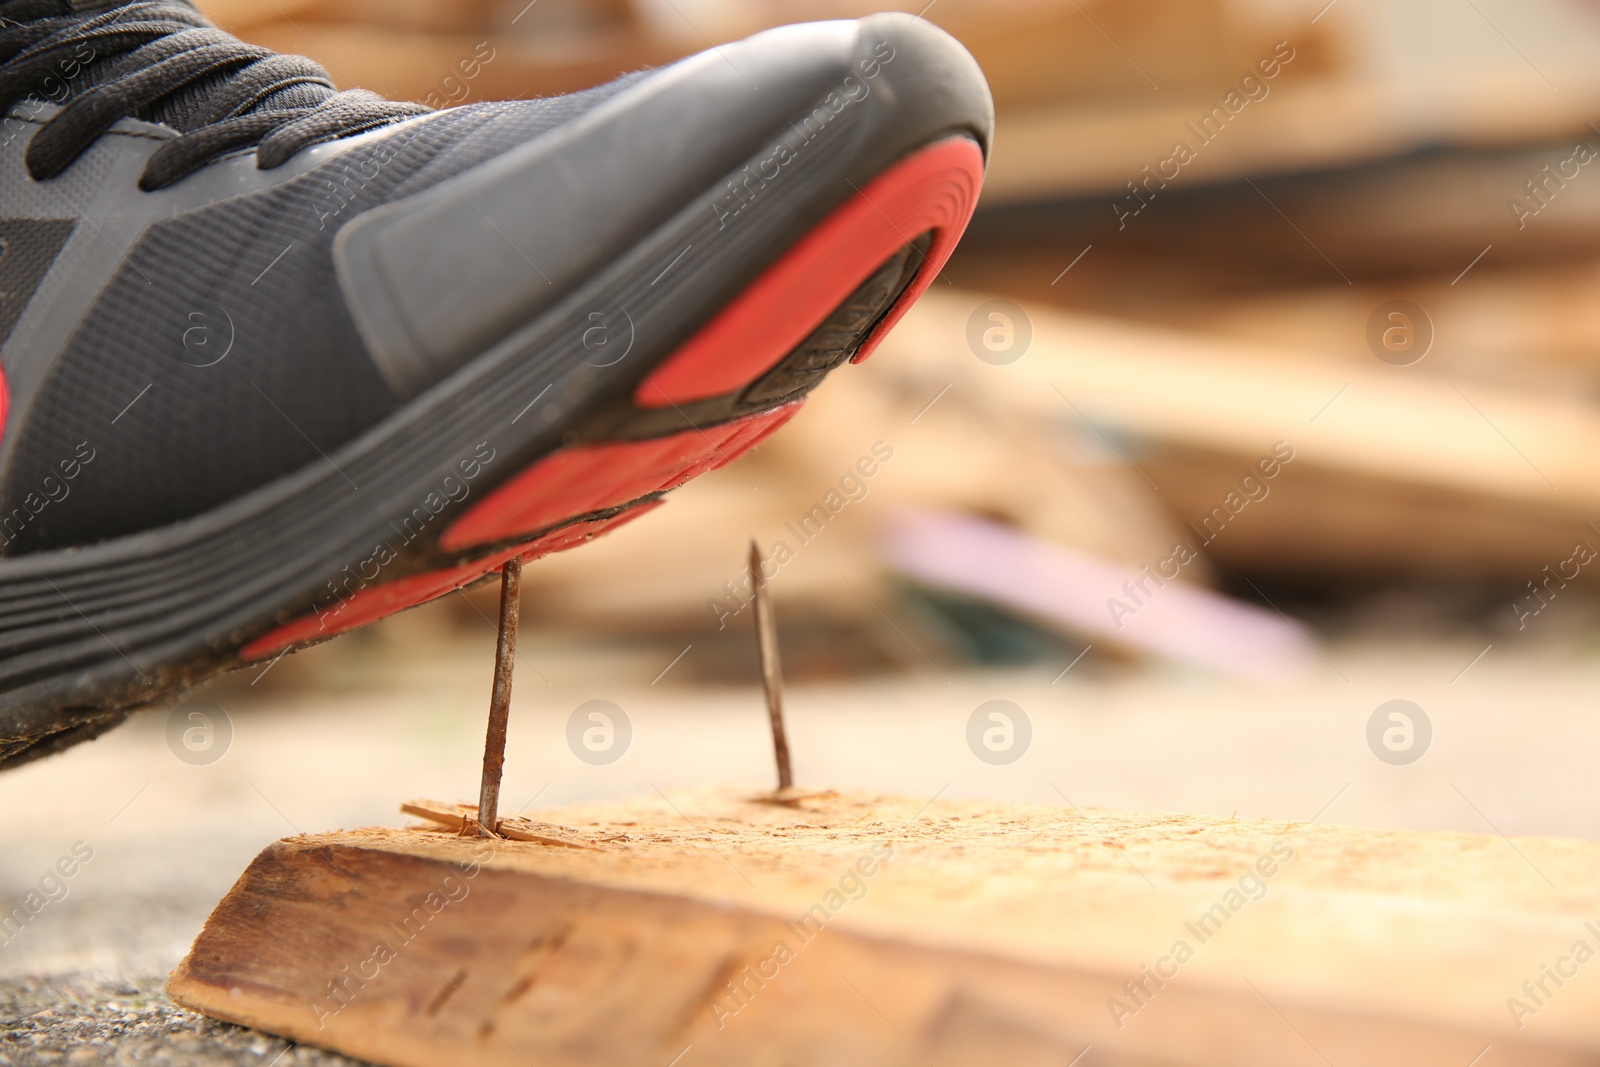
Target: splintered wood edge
x: 463, y: 820
x: 793, y: 797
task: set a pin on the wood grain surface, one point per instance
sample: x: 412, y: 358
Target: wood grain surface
x: 848, y: 929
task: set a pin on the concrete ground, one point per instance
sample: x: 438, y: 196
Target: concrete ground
x: 95, y: 1018
x: 158, y: 818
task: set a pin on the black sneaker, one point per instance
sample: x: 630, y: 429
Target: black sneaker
x: 283, y: 360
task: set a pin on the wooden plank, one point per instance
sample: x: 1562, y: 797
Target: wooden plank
x: 862, y: 929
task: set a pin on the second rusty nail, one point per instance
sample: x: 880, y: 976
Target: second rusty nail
x: 771, y: 671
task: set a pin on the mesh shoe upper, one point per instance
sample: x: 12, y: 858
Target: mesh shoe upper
x: 224, y: 326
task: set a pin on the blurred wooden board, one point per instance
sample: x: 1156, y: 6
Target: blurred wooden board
x: 1418, y: 219
x: 234, y: 13
x: 1393, y: 466
x: 951, y: 932
x: 1088, y: 93
x: 1302, y: 125
x: 1530, y: 327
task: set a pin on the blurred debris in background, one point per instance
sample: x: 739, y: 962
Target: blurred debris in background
x: 1282, y: 303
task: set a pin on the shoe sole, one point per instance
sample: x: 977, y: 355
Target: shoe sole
x: 578, y: 450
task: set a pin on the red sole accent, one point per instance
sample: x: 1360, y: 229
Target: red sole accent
x: 590, y: 478
x: 934, y: 189
x: 373, y: 602
x: 5, y: 403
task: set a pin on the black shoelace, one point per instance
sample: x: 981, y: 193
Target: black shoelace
x: 161, y: 61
